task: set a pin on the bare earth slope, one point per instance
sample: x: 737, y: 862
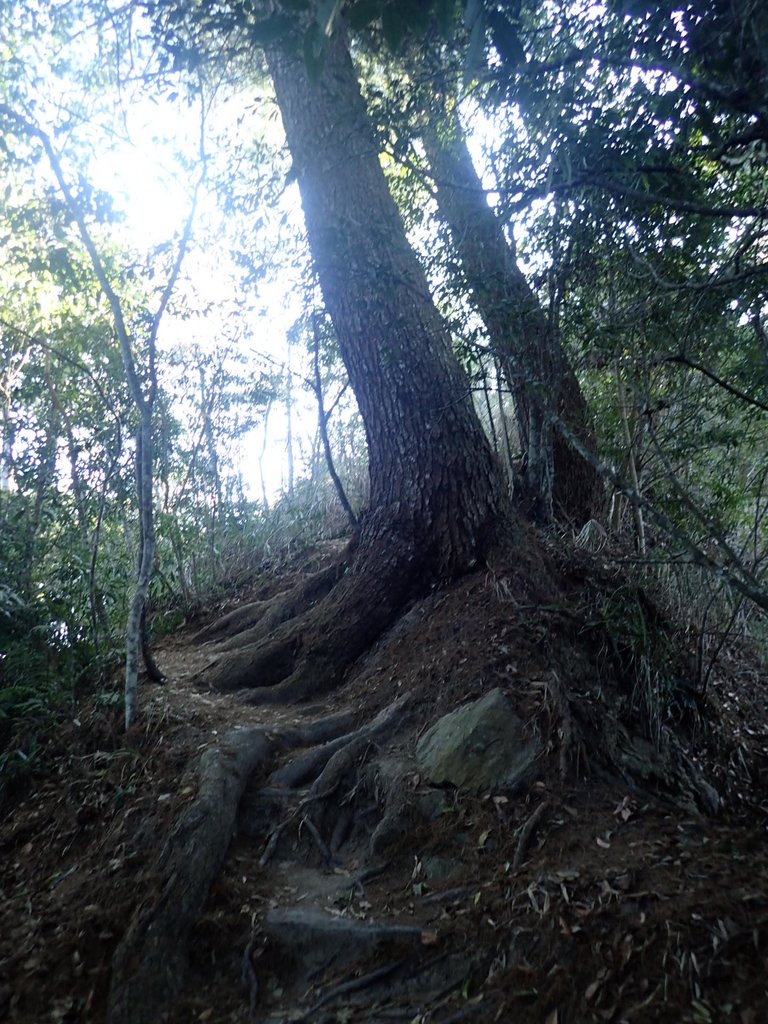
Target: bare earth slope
x: 627, y: 880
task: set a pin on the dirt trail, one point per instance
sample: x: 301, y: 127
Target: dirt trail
x: 583, y: 899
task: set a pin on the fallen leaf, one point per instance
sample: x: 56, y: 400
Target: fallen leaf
x: 603, y: 843
x: 589, y: 994
x: 624, y: 810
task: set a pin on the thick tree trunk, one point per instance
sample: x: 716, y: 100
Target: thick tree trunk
x: 437, y: 497
x: 434, y: 481
x: 556, y: 477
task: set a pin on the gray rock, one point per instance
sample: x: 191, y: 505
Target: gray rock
x: 481, y: 746
x: 440, y: 869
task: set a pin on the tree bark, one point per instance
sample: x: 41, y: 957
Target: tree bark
x: 149, y: 965
x: 435, y: 487
x: 556, y: 478
x: 438, y: 501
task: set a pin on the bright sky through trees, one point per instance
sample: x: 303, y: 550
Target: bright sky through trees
x: 147, y: 172
x: 126, y: 134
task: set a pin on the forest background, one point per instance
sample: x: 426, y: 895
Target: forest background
x: 161, y: 312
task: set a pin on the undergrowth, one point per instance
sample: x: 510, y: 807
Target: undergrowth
x: 48, y: 663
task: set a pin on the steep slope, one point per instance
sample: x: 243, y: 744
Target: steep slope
x: 622, y: 878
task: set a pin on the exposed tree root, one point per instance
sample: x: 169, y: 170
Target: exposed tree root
x: 149, y: 965
x: 288, y: 606
x: 356, y: 985
x: 310, y: 765
x: 320, y: 730
x: 329, y: 766
x: 252, y: 622
x: 250, y: 978
x: 269, y: 849
x: 311, y: 827
x: 308, y: 656
x: 232, y: 623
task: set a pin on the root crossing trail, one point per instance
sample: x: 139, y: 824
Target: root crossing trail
x: 226, y: 862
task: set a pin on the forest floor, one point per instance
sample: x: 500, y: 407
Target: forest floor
x: 591, y: 896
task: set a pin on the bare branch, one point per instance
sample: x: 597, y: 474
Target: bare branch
x: 693, y: 365
x: 739, y: 578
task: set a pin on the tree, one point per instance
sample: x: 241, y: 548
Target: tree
x: 437, y: 502
x: 416, y: 97
x: 556, y: 479
x: 144, y: 401
x: 134, y: 337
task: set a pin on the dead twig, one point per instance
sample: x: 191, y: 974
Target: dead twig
x: 319, y: 841
x: 526, y: 834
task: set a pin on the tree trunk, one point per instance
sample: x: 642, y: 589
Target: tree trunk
x: 556, y: 478
x: 437, y: 496
x: 434, y: 482
x: 134, y: 635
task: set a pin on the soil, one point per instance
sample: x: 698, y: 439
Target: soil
x: 608, y: 890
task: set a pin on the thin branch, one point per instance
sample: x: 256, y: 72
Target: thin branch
x: 585, y: 183
x: 526, y: 834
x: 323, y: 428
x: 647, y: 198
x: 741, y: 579
x: 34, y: 131
x: 35, y: 339
x: 185, y: 235
x: 733, y: 98
x: 710, y: 528
x: 683, y: 360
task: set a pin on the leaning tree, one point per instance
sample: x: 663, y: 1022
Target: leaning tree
x: 438, y: 501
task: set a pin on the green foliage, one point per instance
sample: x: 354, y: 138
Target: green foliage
x: 625, y: 148
x: 638, y: 643
x: 37, y: 674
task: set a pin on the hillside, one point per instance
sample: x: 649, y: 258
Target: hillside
x: 622, y: 877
